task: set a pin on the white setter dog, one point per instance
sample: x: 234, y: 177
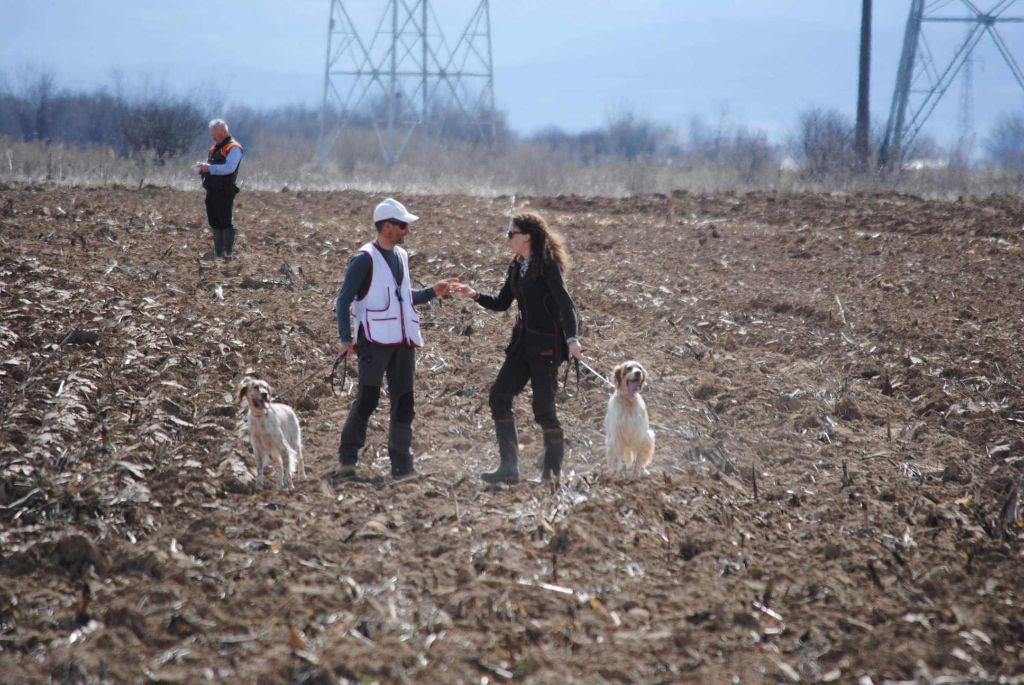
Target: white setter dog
x: 629, y: 440
x: 274, y: 433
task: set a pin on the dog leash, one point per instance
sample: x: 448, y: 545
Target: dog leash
x: 344, y: 372
x: 591, y: 370
x: 305, y: 379
x: 576, y: 363
x: 565, y: 378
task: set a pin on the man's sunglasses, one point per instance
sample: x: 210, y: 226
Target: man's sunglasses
x: 401, y: 224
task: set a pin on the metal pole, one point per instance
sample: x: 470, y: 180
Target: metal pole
x: 864, y: 88
x: 491, y: 117
x: 327, y: 83
x: 389, y: 156
x: 423, y: 28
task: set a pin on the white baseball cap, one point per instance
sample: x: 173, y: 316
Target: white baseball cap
x: 393, y: 209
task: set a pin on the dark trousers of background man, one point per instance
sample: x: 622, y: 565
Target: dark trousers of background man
x: 219, y: 207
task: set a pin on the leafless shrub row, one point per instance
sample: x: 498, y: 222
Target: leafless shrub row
x: 150, y: 135
x: 525, y: 168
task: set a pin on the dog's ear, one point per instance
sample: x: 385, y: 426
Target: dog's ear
x: 617, y: 375
x: 243, y: 389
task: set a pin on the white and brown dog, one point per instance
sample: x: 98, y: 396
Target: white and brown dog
x: 274, y: 433
x: 629, y: 440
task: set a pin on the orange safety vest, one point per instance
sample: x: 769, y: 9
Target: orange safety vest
x: 218, y: 155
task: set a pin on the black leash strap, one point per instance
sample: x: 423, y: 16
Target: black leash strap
x: 565, y: 379
x: 302, y: 381
x: 344, y: 372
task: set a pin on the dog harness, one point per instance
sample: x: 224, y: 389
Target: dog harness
x: 386, y: 313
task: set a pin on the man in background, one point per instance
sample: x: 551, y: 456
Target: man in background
x: 220, y: 173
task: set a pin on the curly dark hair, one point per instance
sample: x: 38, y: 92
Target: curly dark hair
x: 546, y: 245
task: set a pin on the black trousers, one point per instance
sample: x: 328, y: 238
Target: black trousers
x: 512, y: 378
x: 220, y: 205
x: 398, y: 364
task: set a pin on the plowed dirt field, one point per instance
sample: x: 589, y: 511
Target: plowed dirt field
x: 836, y: 389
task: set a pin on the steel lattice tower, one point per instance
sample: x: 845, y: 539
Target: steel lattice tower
x: 405, y: 75
x: 922, y: 79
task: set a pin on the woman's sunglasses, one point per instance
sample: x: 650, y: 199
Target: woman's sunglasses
x: 509, y: 233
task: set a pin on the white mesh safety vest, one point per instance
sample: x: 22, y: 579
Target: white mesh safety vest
x: 386, y: 313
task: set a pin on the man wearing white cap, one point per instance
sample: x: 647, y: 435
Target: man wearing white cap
x: 377, y: 288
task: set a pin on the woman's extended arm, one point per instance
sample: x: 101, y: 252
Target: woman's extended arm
x: 498, y: 303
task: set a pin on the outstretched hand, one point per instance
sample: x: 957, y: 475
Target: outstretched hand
x: 446, y: 287
x: 464, y: 290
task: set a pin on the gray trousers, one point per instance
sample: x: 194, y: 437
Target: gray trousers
x: 398, y: 364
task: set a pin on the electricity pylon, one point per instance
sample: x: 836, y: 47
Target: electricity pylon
x: 922, y: 79
x: 405, y: 75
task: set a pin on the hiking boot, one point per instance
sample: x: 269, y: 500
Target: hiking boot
x: 400, y: 476
x: 400, y: 450
x: 342, y: 473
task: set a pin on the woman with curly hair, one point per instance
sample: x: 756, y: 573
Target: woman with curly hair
x: 543, y: 337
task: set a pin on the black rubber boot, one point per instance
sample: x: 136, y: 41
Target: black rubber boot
x: 400, y: 450
x: 508, y: 452
x: 554, y: 452
x: 219, y: 241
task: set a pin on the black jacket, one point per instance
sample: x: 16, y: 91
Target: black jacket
x: 547, y: 315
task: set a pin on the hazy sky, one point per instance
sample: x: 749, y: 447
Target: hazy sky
x: 564, y: 63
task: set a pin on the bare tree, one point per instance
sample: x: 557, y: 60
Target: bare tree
x: 37, y: 87
x: 731, y: 146
x: 630, y: 136
x: 626, y: 136
x: 825, y: 143
x: 157, y: 121
x: 165, y: 127
x: 9, y: 103
x: 1005, y: 143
